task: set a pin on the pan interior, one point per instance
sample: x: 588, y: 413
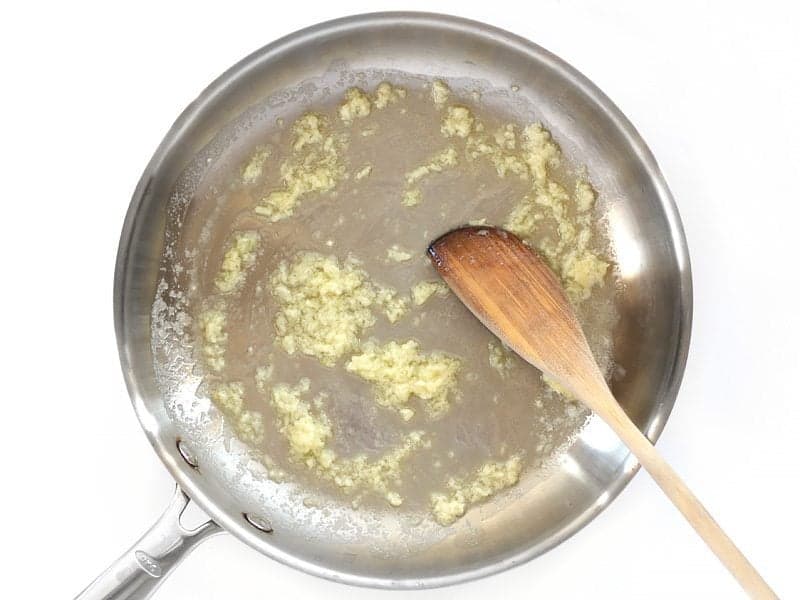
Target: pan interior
x: 573, y: 466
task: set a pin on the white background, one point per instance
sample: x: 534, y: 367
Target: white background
x: 88, y: 93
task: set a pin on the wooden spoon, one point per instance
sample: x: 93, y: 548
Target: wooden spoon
x: 516, y: 295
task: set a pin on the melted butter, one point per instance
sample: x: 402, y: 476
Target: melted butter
x: 290, y: 295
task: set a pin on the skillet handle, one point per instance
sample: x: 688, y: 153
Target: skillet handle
x: 136, y: 574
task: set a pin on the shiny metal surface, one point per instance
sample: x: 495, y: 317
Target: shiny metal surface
x: 140, y: 571
x: 654, y: 302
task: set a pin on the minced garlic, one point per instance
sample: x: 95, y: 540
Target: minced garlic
x: 501, y: 358
x: 386, y: 94
x: 314, y: 166
x: 249, y: 424
x: 240, y: 256
x: 394, y: 499
x: 539, y: 150
x: 437, y: 163
x: 356, y: 105
x: 212, y: 328
x: 263, y: 375
x: 584, y: 196
x: 363, y: 172
x: 582, y: 273
x: 500, y: 150
x: 394, y: 305
x: 568, y: 253
x: 504, y: 162
x: 440, y: 161
x: 423, y: 290
x: 579, y: 268
x: 308, y: 433
x: 506, y: 137
x: 458, y: 121
x: 255, y: 165
x: 396, y: 254
x: 412, y: 197
x: 400, y: 371
x: 557, y: 387
x: 487, y: 481
x: 324, y: 306
x: 308, y: 131
x: 440, y: 93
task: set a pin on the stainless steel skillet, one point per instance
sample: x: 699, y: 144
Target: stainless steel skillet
x: 651, y: 339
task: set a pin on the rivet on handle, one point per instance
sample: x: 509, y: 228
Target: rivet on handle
x: 259, y: 523
x: 187, y: 454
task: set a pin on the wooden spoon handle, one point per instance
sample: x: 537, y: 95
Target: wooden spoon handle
x: 683, y: 498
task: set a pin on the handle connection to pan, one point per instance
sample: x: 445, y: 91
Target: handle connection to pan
x: 137, y: 574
